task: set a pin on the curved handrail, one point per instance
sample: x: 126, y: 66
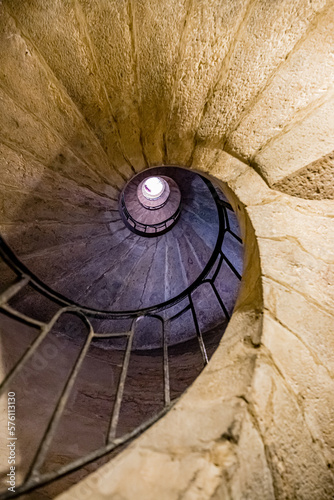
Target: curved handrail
x: 155, y: 226
x: 35, y: 477
x: 20, y: 269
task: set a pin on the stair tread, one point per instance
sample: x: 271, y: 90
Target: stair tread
x: 104, y: 293
x: 130, y: 295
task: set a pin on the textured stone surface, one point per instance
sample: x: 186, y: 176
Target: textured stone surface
x: 289, y: 94
x: 268, y: 33
x: 290, y: 449
x: 58, y: 32
x: 156, y: 33
x: 315, y: 181
x: 206, y: 38
x: 112, y: 48
x: 92, y: 91
x: 299, y: 145
x: 143, y: 83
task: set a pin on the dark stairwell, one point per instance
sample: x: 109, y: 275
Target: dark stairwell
x: 174, y: 291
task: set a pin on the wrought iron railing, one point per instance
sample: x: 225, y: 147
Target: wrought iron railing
x: 148, y: 229
x: 34, y: 477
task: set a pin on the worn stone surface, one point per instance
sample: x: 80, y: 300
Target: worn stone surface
x: 111, y: 46
x: 310, y: 139
x: 157, y: 29
x: 206, y: 38
x: 58, y: 33
x: 289, y: 94
x: 315, y: 181
x: 93, y: 91
x: 252, y: 478
x: 268, y: 33
x: 143, y: 83
x: 298, y: 467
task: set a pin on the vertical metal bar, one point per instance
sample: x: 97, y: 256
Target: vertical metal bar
x: 31, y: 349
x: 231, y: 266
x: 221, y: 303
x: 13, y: 289
x: 198, y: 332
x: 22, y: 318
x: 235, y: 236
x: 215, y: 274
x: 227, y: 222
x: 51, y: 428
x: 120, y: 389
x: 166, y: 365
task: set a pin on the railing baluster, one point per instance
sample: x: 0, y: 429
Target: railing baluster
x: 13, y: 289
x: 215, y: 274
x: 227, y: 222
x: 231, y: 266
x: 120, y: 389
x: 111, y: 335
x: 10, y: 311
x: 221, y: 303
x: 198, y: 333
x: 31, y: 349
x: 165, y: 331
x: 235, y: 235
x: 25, y: 277
x: 48, y: 477
x: 50, y: 431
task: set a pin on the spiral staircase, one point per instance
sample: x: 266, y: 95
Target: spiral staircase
x: 105, y: 319
x: 150, y: 305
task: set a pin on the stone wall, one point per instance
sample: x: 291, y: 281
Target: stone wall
x: 92, y: 92
x: 97, y: 90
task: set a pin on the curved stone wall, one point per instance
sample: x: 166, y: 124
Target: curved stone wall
x: 92, y: 92
x: 98, y: 90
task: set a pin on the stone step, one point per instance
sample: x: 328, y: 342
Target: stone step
x: 73, y: 276
x: 202, y: 206
x: 155, y: 290
x: 116, y: 275
x: 190, y: 265
x: 35, y: 238
x: 70, y: 258
x: 206, y: 230
x: 201, y: 249
x: 139, y: 278
x: 109, y: 267
x: 175, y: 281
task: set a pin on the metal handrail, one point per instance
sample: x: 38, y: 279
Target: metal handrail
x: 155, y: 226
x: 21, y: 270
x: 35, y: 478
